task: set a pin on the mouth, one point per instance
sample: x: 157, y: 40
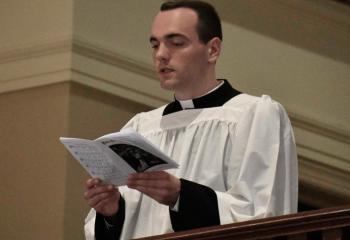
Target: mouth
x: 165, y: 70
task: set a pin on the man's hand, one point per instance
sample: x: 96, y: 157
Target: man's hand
x: 159, y: 185
x: 103, y: 198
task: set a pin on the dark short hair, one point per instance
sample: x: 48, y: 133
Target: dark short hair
x: 209, y: 25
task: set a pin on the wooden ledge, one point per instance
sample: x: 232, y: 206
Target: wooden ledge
x: 325, y: 220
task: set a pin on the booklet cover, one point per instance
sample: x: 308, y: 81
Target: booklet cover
x: 114, y: 156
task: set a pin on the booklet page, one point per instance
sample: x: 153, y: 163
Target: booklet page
x: 114, y: 156
x: 95, y: 161
x: 137, y: 151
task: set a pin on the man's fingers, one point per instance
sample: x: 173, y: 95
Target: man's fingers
x: 151, y: 191
x: 154, y: 179
x: 92, y: 182
x: 103, y: 198
x: 147, y: 183
x: 90, y: 193
x: 161, y: 181
x: 98, y: 198
x: 159, y: 185
x: 94, y: 201
x: 101, y: 205
x: 148, y: 175
x: 164, y: 196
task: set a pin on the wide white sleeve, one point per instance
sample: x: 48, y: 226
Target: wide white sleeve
x: 262, y: 174
x: 89, y: 227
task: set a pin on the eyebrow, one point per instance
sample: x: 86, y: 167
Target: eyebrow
x: 168, y: 37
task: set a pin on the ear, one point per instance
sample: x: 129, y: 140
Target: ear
x: 214, y: 49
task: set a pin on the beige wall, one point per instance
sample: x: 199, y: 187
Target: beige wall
x: 33, y: 165
x: 25, y: 23
x: 83, y: 68
x: 42, y: 186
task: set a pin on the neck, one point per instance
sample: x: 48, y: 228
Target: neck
x: 198, y: 88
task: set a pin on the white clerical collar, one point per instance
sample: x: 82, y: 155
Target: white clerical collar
x: 188, y: 104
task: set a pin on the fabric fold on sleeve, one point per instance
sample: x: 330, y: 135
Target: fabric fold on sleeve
x: 264, y: 150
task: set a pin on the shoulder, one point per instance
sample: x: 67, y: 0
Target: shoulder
x: 253, y: 104
x: 142, y: 117
x: 261, y: 111
x: 253, y: 107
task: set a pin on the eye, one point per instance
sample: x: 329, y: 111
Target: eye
x: 178, y: 43
x: 154, y: 44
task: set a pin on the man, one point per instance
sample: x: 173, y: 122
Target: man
x: 236, y: 152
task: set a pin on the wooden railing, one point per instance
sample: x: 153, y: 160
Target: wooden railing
x: 323, y: 224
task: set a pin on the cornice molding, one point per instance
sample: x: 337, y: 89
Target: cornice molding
x: 319, y: 128
x: 118, y: 89
x: 322, y: 11
x: 323, y: 157
x: 322, y: 185
x: 322, y: 26
x: 117, y: 59
x: 34, y: 50
x: 334, y: 14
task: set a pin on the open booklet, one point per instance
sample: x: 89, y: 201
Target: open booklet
x: 114, y: 156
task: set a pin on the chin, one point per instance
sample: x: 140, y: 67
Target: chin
x: 167, y: 84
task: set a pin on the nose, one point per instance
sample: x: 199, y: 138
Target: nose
x: 162, y: 53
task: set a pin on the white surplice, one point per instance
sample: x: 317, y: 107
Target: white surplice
x: 243, y: 150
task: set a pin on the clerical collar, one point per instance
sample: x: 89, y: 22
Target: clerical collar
x: 214, y: 98
x: 188, y: 104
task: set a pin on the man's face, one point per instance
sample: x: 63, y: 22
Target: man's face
x: 179, y: 57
